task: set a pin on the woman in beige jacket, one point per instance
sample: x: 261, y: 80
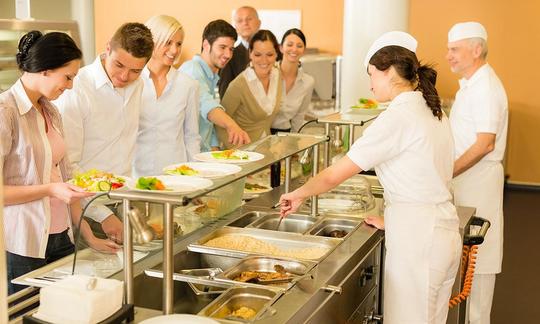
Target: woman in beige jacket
x: 253, y: 98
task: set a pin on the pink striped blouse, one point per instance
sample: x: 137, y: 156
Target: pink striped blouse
x: 26, y: 158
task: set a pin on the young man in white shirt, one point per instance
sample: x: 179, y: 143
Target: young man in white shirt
x: 101, y: 112
x: 479, y: 120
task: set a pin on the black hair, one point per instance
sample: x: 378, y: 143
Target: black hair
x: 40, y: 52
x: 135, y: 38
x: 409, y: 68
x: 265, y: 35
x: 216, y: 29
x: 294, y: 31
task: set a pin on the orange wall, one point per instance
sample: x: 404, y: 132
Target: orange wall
x: 513, y: 30
x: 321, y: 19
x: 514, y: 47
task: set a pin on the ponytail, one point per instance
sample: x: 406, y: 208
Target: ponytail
x: 427, y: 77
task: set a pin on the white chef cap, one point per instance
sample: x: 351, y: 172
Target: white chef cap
x: 393, y: 38
x: 466, y: 30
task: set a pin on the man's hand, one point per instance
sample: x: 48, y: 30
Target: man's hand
x: 484, y: 144
x: 237, y: 136
x: 104, y: 246
x: 113, y: 228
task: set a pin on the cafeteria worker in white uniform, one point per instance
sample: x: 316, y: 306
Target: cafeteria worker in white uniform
x: 410, y: 146
x: 479, y: 120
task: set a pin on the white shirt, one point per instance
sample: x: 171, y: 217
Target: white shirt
x: 411, y: 150
x: 295, y: 103
x: 168, y: 125
x: 100, y: 123
x: 267, y: 101
x: 481, y: 106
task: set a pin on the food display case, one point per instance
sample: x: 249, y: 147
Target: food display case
x: 11, y: 30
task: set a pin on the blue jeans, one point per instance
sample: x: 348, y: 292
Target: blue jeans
x: 58, y: 246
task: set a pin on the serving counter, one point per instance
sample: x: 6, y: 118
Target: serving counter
x: 341, y: 284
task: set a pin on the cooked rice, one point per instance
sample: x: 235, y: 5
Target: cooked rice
x: 251, y: 244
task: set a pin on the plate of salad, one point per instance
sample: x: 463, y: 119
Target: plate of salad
x: 94, y: 180
x: 229, y: 156
x: 170, y: 184
x: 202, y: 169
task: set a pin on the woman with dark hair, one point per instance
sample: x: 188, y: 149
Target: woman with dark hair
x: 298, y: 88
x: 411, y: 148
x: 253, y: 98
x: 39, y: 207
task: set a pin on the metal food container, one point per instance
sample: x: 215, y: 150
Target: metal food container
x: 325, y: 226
x: 247, y: 218
x: 207, y: 273
x: 281, y: 240
x: 258, y: 299
x: 294, y: 268
x: 342, y: 204
x: 292, y: 223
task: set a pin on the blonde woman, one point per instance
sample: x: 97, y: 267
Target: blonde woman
x: 168, y: 124
x: 253, y: 98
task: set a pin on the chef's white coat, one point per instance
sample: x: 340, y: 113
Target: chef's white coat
x: 100, y: 124
x: 168, y: 125
x: 481, y: 106
x: 412, y: 153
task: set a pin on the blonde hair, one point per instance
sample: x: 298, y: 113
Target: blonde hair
x: 163, y: 27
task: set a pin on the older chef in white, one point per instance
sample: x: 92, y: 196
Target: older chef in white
x: 410, y: 146
x: 479, y: 120
x: 169, y: 119
x: 101, y: 112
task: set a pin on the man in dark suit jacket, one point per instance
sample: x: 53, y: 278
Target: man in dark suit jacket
x: 247, y: 23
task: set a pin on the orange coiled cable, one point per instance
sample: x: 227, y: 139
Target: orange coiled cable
x: 468, y: 260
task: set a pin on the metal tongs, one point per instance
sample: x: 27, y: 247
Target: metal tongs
x: 280, y: 217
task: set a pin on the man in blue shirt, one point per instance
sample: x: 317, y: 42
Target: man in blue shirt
x: 217, y: 48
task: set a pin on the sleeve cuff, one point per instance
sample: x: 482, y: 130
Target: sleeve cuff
x: 98, y: 212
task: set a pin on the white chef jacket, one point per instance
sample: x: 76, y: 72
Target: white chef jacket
x: 168, y: 125
x: 100, y: 124
x: 267, y: 100
x: 481, y: 106
x: 295, y: 103
x: 412, y: 152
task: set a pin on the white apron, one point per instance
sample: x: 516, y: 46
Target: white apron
x: 482, y: 187
x: 410, y: 256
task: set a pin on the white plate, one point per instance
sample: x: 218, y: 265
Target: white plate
x: 249, y: 194
x: 179, y: 319
x: 207, y: 157
x: 177, y: 184
x: 126, y: 181
x: 207, y: 170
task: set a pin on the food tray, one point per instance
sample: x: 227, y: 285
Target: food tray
x: 292, y: 223
x: 258, y: 299
x: 206, y: 273
x: 281, y: 240
x: 328, y: 224
x: 294, y: 268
